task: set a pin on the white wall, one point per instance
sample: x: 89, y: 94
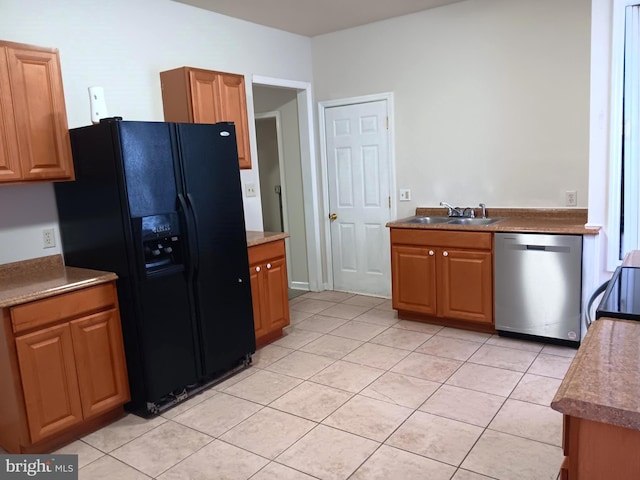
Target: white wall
x: 122, y: 45
x: 491, y: 98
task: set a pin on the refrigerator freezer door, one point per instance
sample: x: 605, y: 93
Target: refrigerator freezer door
x: 147, y: 155
x: 211, y: 182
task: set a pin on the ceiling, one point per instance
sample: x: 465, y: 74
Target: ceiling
x: 315, y: 17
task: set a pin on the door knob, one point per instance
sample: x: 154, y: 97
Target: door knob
x: 333, y: 216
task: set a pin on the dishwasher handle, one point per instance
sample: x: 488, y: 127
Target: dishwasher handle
x: 539, y: 248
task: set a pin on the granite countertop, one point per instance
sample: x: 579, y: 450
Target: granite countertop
x: 566, y: 221
x: 257, y: 238
x: 38, y: 278
x: 603, y: 381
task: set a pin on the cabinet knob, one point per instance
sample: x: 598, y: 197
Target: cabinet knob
x: 431, y: 252
x: 258, y: 269
x: 268, y: 266
x: 445, y: 254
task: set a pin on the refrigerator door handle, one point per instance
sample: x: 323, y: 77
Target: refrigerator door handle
x: 189, y: 218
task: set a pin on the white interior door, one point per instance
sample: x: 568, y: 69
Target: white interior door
x: 359, y: 196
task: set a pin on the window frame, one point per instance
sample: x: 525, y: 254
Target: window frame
x: 615, y: 130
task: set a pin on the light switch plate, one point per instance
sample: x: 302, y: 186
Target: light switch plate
x: 250, y: 189
x: 405, y: 195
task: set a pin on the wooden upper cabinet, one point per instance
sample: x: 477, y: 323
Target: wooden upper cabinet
x: 193, y: 95
x: 9, y: 160
x: 34, y: 135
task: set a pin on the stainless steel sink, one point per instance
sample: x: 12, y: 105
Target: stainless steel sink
x: 427, y: 220
x: 473, y: 221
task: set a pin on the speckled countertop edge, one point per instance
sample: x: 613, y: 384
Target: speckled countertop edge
x: 528, y: 220
x: 603, y: 380
x: 257, y: 238
x: 38, y: 278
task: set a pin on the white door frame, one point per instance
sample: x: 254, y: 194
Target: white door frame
x: 283, y: 186
x: 322, y: 106
x: 309, y: 172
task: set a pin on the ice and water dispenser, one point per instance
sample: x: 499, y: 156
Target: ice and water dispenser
x: 162, y: 244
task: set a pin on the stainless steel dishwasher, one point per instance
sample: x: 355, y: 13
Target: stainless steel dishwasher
x: 537, y: 286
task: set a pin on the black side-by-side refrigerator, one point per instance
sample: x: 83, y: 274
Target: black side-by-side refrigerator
x: 160, y: 204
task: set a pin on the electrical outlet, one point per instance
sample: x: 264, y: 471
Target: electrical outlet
x: 571, y: 197
x: 250, y: 189
x: 48, y: 238
x: 405, y: 194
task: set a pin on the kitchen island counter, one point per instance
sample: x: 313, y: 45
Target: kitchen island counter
x: 603, y: 381
x: 38, y: 278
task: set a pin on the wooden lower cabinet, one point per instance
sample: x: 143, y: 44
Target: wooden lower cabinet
x: 49, y: 381
x: 597, y: 451
x: 446, y: 275
x: 414, y: 279
x: 269, y: 290
x: 63, y: 368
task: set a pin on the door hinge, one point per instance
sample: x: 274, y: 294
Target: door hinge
x: 387, y: 123
x: 389, y: 197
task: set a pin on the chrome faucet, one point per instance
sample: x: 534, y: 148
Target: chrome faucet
x: 484, y: 210
x: 453, y: 211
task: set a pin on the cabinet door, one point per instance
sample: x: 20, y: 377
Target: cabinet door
x: 257, y: 289
x: 100, y: 361
x: 205, y: 101
x: 40, y: 114
x: 276, y: 308
x: 413, y: 277
x: 233, y: 108
x: 49, y: 381
x: 9, y: 161
x: 465, y: 285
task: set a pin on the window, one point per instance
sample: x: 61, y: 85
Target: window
x: 624, y: 186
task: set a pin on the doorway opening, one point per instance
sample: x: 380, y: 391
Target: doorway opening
x: 283, y: 121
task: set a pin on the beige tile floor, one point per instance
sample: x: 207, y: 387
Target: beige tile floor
x: 351, y: 392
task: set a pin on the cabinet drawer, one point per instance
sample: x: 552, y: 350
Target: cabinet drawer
x: 442, y: 238
x: 266, y: 251
x: 68, y: 305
